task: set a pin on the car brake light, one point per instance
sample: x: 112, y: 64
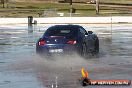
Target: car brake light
x: 72, y: 42
x: 42, y: 42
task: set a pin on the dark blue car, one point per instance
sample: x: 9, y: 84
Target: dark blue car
x: 67, y: 40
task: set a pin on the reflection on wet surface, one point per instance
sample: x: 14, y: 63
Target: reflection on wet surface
x: 21, y: 67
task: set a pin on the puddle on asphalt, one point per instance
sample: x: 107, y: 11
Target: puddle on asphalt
x: 21, y: 67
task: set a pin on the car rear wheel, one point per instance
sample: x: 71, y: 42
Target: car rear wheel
x: 97, y: 46
x: 84, y: 51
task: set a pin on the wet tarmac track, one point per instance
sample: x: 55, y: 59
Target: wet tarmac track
x: 20, y: 67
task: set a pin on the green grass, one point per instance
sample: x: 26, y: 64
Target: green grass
x: 24, y: 9
x: 117, y: 1
x: 28, y: 5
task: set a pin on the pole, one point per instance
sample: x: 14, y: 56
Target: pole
x: 71, y: 8
x: 30, y: 24
x: 71, y: 11
x: 97, y: 7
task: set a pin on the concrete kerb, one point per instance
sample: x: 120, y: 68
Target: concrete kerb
x: 71, y: 20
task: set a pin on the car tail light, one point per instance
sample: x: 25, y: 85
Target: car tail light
x: 72, y: 42
x: 42, y: 42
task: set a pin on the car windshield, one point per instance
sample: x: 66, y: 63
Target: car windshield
x: 61, y: 31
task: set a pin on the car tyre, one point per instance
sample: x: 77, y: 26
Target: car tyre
x: 84, y: 51
x: 97, y: 46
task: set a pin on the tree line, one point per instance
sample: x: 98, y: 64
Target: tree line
x: 4, y: 2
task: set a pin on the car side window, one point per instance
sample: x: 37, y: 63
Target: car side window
x: 82, y: 31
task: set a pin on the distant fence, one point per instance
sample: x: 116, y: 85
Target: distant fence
x: 69, y: 20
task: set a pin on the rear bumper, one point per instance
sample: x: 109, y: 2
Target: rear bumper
x: 62, y: 49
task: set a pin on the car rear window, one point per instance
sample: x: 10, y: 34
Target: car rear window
x: 61, y: 31
x: 65, y: 31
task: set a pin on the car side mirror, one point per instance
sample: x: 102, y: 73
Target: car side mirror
x: 90, y: 32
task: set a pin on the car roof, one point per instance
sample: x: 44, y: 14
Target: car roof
x: 73, y: 26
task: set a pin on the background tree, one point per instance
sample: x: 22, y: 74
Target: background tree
x: 3, y: 2
x: 7, y: 3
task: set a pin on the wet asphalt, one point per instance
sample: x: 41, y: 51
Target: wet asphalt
x: 21, y: 67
